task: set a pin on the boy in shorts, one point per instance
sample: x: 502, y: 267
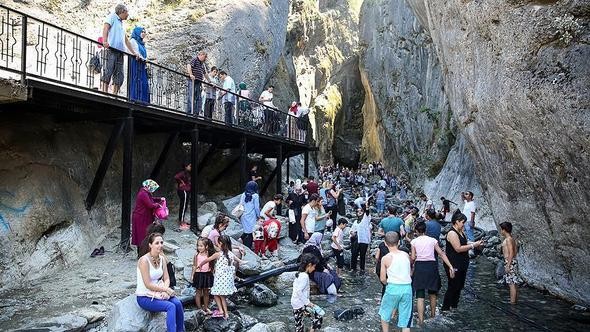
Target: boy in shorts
x: 395, y: 272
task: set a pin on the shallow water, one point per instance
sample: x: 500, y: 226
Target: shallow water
x: 484, y: 306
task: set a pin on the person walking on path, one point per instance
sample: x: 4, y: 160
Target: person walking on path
x: 251, y: 202
x: 469, y: 209
x: 153, y: 285
x: 139, y: 89
x: 183, y: 189
x: 363, y: 233
x: 143, y: 213
x: 426, y: 277
x: 509, y: 250
x: 457, y: 250
x: 395, y: 272
x: 197, y: 72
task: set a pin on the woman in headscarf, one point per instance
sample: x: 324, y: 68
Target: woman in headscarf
x: 143, y: 213
x: 251, y: 202
x: 326, y: 278
x: 139, y: 89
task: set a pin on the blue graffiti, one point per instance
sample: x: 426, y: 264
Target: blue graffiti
x: 6, y: 209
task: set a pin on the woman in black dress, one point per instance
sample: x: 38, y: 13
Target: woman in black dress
x: 457, y: 250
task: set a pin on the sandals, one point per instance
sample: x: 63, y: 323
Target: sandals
x: 217, y: 314
x: 97, y: 252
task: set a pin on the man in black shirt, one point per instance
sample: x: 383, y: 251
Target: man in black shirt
x: 253, y: 174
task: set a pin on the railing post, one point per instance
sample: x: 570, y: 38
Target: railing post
x: 23, y: 60
x: 128, y: 75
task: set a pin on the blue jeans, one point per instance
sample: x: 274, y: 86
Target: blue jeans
x: 172, y: 307
x: 380, y: 206
x: 469, y: 231
x: 197, y: 102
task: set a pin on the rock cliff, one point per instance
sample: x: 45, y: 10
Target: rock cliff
x: 517, y: 80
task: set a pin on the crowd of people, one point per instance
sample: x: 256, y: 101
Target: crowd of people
x: 210, y: 91
x: 341, y: 206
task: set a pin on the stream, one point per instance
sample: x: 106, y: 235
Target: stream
x: 484, y: 306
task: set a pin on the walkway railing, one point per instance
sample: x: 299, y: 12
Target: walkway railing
x: 33, y: 49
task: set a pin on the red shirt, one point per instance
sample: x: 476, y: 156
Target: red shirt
x: 312, y: 187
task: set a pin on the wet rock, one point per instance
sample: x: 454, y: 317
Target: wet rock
x: 493, y: 241
x: 233, y: 323
x: 248, y: 321
x: 493, y: 232
x: 288, y: 252
x: 260, y: 327
x: 127, y: 316
x: 157, y: 322
x: 349, y: 313
x: 284, y: 281
x: 262, y: 296
x: 65, y: 323
x: 187, y: 296
x: 193, y: 319
x: 277, y: 326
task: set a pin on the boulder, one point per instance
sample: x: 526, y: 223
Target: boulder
x: 284, y: 281
x: 248, y: 321
x: 127, y: 316
x: 233, y: 323
x: 187, y: 296
x: 262, y: 296
x: 208, y: 207
x: 277, y: 326
x: 230, y: 203
x: 260, y: 327
x: 234, y: 230
x: 204, y: 220
x: 193, y: 319
x: 157, y: 322
x: 65, y: 323
x: 93, y: 313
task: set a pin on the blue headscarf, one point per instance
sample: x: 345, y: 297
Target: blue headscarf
x: 136, y: 34
x: 251, y: 188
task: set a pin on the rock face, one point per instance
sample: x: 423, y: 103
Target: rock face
x: 407, y: 118
x: 516, y: 82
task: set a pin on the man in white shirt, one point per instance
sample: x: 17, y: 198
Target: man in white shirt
x: 227, y: 98
x: 268, y: 211
x: 426, y: 204
x: 266, y: 97
x: 309, y: 214
x: 469, y: 210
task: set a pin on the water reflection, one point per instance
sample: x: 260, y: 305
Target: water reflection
x: 484, y: 306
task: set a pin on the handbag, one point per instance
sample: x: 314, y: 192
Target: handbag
x: 292, y: 219
x: 238, y: 211
x: 162, y: 212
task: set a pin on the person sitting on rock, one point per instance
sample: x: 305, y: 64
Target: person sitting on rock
x: 153, y: 285
x: 326, y: 278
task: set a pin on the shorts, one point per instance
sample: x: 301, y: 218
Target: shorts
x: 113, y: 67
x: 397, y: 297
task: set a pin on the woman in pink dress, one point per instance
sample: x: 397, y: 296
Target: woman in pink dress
x: 143, y: 213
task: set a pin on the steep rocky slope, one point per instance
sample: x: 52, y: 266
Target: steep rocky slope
x: 517, y: 78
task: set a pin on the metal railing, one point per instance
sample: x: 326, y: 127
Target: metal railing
x: 33, y: 49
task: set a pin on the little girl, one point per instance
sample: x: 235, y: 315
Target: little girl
x: 300, y: 296
x: 223, y: 280
x: 203, y: 277
x: 259, y: 246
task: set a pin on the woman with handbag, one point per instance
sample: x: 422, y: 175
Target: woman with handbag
x: 250, y: 201
x: 143, y: 213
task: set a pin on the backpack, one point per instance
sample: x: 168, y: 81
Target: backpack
x: 94, y: 64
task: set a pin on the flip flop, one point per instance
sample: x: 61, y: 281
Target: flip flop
x: 95, y: 252
x: 217, y: 314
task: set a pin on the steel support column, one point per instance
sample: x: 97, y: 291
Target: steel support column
x: 306, y: 164
x: 243, y: 163
x: 126, y: 183
x: 194, y: 178
x: 280, y: 169
x: 107, y: 156
x: 163, y: 155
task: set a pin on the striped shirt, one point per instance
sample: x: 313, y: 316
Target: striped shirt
x: 197, y: 68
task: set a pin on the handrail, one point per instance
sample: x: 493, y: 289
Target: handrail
x: 45, y: 46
